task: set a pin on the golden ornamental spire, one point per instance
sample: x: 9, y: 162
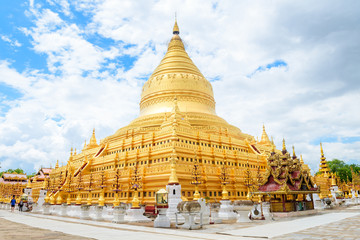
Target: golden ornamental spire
x: 324, y: 168
x: 57, y: 164
x: 284, y: 146
x: 173, y: 180
x: 264, y: 137
x: 176, y: 28
x: 294, y: 155
x: 301, y: 159
x: 93, y: 142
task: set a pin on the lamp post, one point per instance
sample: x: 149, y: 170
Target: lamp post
x: 69, y: 188
x: 102, y: 185
x: 53, y: 190
x: 224, y: 180
x: 248, y: 180
x: 89, y: 189
x: 196, y: 178
x: 135, y: 185
x: 59, y: 198
x: 47, y: 187
x: 116, y: 187
x: 79, y: 187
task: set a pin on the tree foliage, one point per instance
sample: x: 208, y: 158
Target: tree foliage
x: 342, y: 169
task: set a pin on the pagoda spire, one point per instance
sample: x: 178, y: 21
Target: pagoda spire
x: 57, y: 164
x: 294, y: 155
x: 93, y: 141
x: 272, y: 145
x: 173, y: 180
x: 177, y: 75
x: 176, y: 27
x: 264, y: 137
x: 283, y: 145
x: 301, y: 159
x: 324, y: 168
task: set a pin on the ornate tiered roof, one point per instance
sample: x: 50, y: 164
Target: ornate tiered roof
x: 13, y: 178
x: 286, y: 175
x: 42, y: 174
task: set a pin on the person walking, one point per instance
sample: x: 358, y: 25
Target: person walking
x: 12, y: 203
x: 21, y: 204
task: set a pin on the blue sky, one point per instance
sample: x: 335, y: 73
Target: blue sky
x: 69, y: 66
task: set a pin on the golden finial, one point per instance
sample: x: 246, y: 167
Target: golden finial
x: 301, y: 159
x: 71, y: 151
x: 293, y: 151
x: 176, y: 27
x: 321, y: 149
x: 57, y: 163
x: 85, y: 144
x: 284, y: 146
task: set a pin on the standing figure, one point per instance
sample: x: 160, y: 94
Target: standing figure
x: 13, y: 202
x: 21, y: 204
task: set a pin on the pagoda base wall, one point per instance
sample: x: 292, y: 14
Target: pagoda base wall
x: 136, y: 215
x: 226, y: 211
x: 294, y: 214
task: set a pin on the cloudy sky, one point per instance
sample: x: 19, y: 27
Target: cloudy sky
x: 67, y: 67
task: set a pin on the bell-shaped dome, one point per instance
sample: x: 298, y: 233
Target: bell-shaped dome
x: 177, y: 76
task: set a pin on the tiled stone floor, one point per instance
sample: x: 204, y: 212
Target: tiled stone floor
x: 17, y: 231
x: 13, y: 227
x: 348, y: 228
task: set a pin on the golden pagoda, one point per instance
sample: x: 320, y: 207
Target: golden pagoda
x: 324, y: 168
x: 177, y: 126
x: 324, y: 178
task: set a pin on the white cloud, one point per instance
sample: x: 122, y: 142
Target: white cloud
x: 314, y: 98
x: 13, y: 43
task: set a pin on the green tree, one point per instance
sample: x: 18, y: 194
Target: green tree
x: 31, y: 175
x: 342, y: 169
x: 18, y: 170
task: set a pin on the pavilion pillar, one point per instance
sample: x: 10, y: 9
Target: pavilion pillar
x: 283, y: 202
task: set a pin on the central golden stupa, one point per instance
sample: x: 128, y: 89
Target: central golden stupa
x: 177, y: 128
